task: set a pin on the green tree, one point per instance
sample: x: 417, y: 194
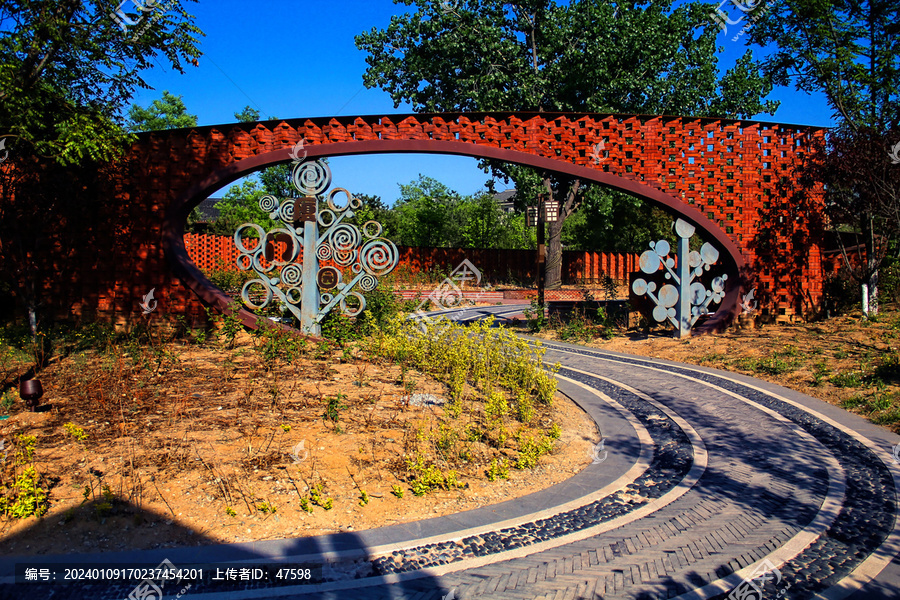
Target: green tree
x: 481, y: 223
x: 589, y: 55
x: 423, y: 213
x: 850, y: 51
x: 247, y: 115
x: 67, y: 69
x: 168, y: 112
x: 241, y: 205
x: 430, y: 214
x: 374, y: 209
x: 615, y: 222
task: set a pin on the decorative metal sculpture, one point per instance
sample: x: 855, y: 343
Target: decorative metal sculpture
x: 296, y: 284
x: 685, y: 301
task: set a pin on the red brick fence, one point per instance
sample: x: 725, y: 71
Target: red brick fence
x: 218, y: 252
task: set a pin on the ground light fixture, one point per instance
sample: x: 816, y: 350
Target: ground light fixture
x: 31, y: 391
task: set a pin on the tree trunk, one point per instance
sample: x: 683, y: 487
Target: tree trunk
x: 567, y: 205
x: 871, y: 264
x: 553, y: 267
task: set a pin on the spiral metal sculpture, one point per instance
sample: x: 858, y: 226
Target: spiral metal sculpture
x: 294, y: 279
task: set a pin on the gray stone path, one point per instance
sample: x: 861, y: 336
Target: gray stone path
x: 707, y: 474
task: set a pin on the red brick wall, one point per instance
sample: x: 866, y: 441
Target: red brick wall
x: 741, y: 174
x: 218, y: 251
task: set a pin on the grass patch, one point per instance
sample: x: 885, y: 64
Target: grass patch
x: 847, y: 379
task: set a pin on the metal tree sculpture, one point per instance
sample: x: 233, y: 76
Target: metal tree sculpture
x: 684, y: 302
x: 294, y: 278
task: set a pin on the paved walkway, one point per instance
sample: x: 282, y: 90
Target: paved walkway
x: 707, y: 483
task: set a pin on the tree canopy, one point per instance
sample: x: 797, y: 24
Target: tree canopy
x: 597, y: 56
x: 168, y: 112
x: 430, y: 214
x: 69, y: 67
x: 241, y: 205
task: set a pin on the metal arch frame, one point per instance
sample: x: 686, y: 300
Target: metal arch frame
x: 190, y: 275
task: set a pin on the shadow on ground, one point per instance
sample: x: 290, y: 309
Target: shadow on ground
x: 215, y: 559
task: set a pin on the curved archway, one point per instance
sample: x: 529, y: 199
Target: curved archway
x: 177, y: 214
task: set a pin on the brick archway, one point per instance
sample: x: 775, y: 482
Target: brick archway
x: 183, y: 266
x: 734, y: 179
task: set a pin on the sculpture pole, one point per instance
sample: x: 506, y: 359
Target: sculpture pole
x: 309, y: 305
x: 684, y: 276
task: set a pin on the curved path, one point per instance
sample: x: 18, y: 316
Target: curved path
x: 704, y: 480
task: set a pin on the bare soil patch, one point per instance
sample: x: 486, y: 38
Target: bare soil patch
x: 200, y: 444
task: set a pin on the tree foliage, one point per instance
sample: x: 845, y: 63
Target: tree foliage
x: 847, y: 49
x: 247, y: 115
x: 862, y: 197
x: 374, y: 209
x: 430, y: 214
x: 241, y: 205
x: 167, y: 112
x: 537, y: 55
x: 67, y: 69
x: 615, y: 222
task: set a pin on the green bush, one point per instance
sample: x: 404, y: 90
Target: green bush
x: 230, y: 280
x: 531, y: 450
x: 339, y: 328
x: 535, y: 316
x: 576, y: 327
x: 25, y: 498
x: 275, y: 344
x: 498, y: 470
x: 490, y: 357
x: 429, y: 477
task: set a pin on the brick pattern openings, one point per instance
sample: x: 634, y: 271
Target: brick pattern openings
x: 218, y: 252
x: 740, y: 174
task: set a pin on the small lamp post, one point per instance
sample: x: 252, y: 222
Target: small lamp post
x: 547, y: 211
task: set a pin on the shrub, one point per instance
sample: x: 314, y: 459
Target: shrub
x: 531, y: 450
x: 490, y: 357
x: 576, y: 327
x: 498, y: 470
x: 25, y: 498
x: 229, y: 280
x: 339, y: 328
x: 429, y: 477
x: 535, y: 316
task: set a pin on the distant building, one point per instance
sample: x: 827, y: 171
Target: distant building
x: 506, y: 200
x: 208, y: 210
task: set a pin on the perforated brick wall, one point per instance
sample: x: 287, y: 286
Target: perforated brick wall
x: 740, y: 174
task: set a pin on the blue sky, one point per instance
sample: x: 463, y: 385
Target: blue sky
x: 291, y: 59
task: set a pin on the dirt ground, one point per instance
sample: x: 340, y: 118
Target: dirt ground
x: 204, y: 446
